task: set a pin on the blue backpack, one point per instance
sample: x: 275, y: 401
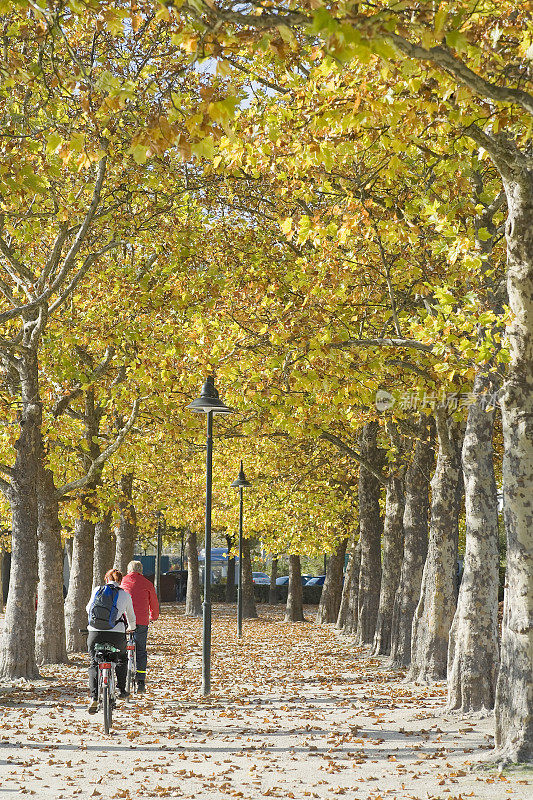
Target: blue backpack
x: 103, y: 613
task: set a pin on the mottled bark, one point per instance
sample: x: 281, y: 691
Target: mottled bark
x: 104, y: 548
x: 347, y: 618
x: 436, y: 607
x: 126, y: 533
x: 249, y: 610
x: 392, y: 562
x: 514, y: 692
x: 193, y: 600
x: 370, y: 531
x: 294, y: 611
x: 330, y: 599
x: 81, y: 577
x: 415, y: 525
x: 473, y: 645
x: 50, y: 639
x: 231, y: 591
x: 69, y: 544
x: 273, y: 589
x: 17, y: 653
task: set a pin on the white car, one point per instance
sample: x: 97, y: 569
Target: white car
x: 261, y: 578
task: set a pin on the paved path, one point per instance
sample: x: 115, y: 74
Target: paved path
x: 296, y: 712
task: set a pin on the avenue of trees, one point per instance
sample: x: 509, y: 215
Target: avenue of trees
x: 328, y: 206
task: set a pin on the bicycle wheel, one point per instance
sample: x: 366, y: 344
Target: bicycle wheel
x: 108, y: 710
x: 129, y: 679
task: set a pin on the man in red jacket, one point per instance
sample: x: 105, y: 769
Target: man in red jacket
x: 146, y: 610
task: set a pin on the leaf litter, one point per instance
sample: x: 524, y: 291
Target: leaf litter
x: 296, y: 711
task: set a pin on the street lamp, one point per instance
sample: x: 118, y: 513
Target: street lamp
x: 208, y: 403
x: 239, y: 483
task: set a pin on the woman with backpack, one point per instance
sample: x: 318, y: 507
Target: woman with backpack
x: 111, y: 614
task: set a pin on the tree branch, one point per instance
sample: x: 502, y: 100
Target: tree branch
x: 443, y: 57
x: 62, y: 404
x: 80, y: 236
x: 507, y: 158
x: 104, y: 456
x: 85, y: 267
x: 345, y: 448
x: 17, y: 266
x: 411, y: 343
x: 7, y: 470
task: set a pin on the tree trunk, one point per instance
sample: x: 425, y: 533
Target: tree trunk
x: 6, y: 569
x: 473, y: 646
x: 1, y: 579
x: 295, y: 606
x: 193, y: 600
x: 231, y: 592
x: 392, y: 562
x: 17, y: 654
x: 104, y: 548
x: 347, y: 618
x: 50, y: 639
x: 330, y: 599
x: 514, y: 695
x: 370, y: 530
x: 80, y: 584
x: 436, y: 607
x: 69, y: 544
x: 249, y: 610
x: 273, y: 589
x: 126, y: 533
x: 415, y: 525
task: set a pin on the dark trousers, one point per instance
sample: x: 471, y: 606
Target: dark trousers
x: 117, y: 640
x: 141, y: 634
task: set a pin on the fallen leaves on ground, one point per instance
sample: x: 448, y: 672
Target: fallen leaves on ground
x: 296, y: 711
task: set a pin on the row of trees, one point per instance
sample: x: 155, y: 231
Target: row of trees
x: 338, y: 213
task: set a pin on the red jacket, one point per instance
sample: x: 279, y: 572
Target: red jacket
x: 143, y: 595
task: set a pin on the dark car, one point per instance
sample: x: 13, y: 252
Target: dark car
x: 284, y: 580
x: 317, y: 580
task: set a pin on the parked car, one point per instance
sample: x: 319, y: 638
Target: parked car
x: 284, y: 580
x: 317, y: 580
x: 261, y: 578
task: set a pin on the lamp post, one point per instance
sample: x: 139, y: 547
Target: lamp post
x: 208, y: 403
x: 239, y: 483
x: 157, y: 575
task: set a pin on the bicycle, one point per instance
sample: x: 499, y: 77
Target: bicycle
x: 106, y: 656
x: 132, y: 664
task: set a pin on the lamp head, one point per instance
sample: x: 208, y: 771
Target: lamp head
x: 209, y: 400
x: 240, y: 480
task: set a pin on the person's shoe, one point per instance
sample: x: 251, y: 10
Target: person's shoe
x: 123, y: 694
x: 93, y: 707
x: 141, y: 688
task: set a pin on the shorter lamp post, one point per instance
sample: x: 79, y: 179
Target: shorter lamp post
x: 239, y: 483
x: 208, y: 403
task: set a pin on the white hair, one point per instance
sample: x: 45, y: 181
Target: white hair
x: 135, y: 566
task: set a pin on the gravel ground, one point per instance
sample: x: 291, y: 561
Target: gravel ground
x: 296, y: 711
